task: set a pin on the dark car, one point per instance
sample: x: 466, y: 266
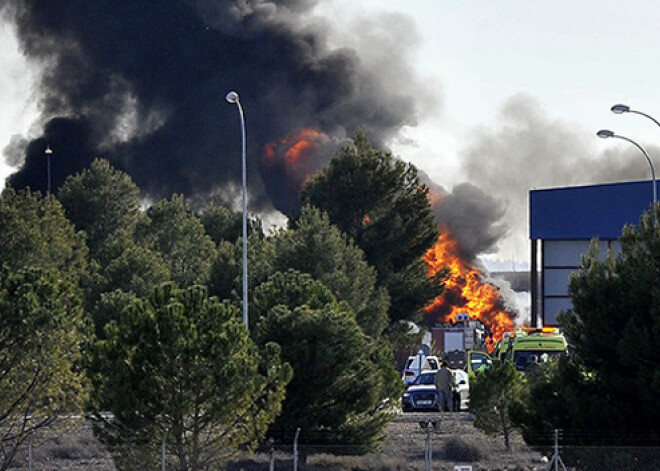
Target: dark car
x: 422, y: 395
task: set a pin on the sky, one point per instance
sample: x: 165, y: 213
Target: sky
x: 509, y: 94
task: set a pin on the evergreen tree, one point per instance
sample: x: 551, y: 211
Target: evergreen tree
x: 494, y: 393
x: 607, y: 391
x: 317, y: 247
x: 41, y: 332
x: 223, y: 224
x: 179, y: 237
x: 34, y: 233
x: 378, y: 201
x: 182, y: 366
x: 101, y: 200
x: 344, y: 386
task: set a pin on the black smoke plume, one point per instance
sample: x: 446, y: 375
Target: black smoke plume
x: 142, y: 83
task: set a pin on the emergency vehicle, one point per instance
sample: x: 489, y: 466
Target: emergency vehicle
x: 539, y: 343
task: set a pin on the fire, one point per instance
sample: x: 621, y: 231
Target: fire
x: 288, y: 162
x: 465, y: 291
x: 295, y: 153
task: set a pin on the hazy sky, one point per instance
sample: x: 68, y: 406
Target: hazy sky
x: 520, y: 78
x: 516, y: 90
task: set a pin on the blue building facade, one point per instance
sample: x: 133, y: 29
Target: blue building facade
x: 562, y: 223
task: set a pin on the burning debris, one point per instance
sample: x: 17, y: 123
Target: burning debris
x: 288, y: 162
x: 466, y: 288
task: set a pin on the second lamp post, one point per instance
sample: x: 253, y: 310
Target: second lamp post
x: 232, y: 97
x: 605, y: 133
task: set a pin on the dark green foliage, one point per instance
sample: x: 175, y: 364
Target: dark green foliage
x: 317, y: 247
x: 182, y: 363
x: 412, y: 289
x: 611, y: 385
x: 137, y: 270
x: 179, y: 237
x: 614, y: 327
x: 35, y: 233
x: 100, y: 200
x: 344, y: 384
x: 226, y: 271
x: 494, y: 394
x: 41, y: 331
x: 226, y: 278
x: 560, y: 396
x: 291, y: 289
x: 223, y: 224
x: 122, y: 265
x: 378, y: 201
x: 109, y: 308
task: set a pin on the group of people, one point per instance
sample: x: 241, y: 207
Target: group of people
x: 448, y: 395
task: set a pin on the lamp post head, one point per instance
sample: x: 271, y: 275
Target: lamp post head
x: 605, y: 133
x: 232, y: 97
x: 619, y: 109
x: 48, y: 150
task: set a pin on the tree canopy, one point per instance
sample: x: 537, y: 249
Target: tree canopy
x: 614, y: 326
x: 379, y: 202
x: 344, y: 383
x: 179, y: 237
x: 100, y: 200
x: 190, y: 372
x: 34, y: 232
x: 317, y: 247
x: 613, y: 331
x: 495, y: 393
x: 41, y: 332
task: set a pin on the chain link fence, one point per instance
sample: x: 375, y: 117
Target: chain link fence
x: 420, y: 442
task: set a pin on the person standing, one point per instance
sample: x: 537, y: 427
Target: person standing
x: 444, y: 383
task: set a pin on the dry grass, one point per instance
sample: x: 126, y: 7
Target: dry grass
x: 456, y: 442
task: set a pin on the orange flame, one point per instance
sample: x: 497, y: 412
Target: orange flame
x: 295, y: 153
x: 465, y: 291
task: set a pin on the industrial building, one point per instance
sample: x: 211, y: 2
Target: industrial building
x: 562, y: 223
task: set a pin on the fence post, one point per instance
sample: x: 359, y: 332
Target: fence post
x: 30, y: 451
x: 429, y: 426
x: 271, y: 450
x: 556, y: 459
x: 295, y: 450
x: 428, y: 452
x: 163, y: 449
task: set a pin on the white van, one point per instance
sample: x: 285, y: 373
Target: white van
x: 415, y: 364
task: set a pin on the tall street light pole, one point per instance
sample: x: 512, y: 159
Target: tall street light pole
x: 232, y: 97
x: 620, y: 109
x: 604, y: 133
x: 48, y: 153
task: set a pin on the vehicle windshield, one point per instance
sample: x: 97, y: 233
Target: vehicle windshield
x: 523, y: 358
x: 480, y: 361
x: 425, y: 379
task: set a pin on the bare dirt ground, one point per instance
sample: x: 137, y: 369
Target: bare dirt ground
x: 455, y: 442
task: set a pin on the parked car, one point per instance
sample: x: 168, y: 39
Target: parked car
x: 422, y: 395
x: 415, y: 364
x: 462, y: 379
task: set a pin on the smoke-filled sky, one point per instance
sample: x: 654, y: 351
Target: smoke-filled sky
x: 488, y: 99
